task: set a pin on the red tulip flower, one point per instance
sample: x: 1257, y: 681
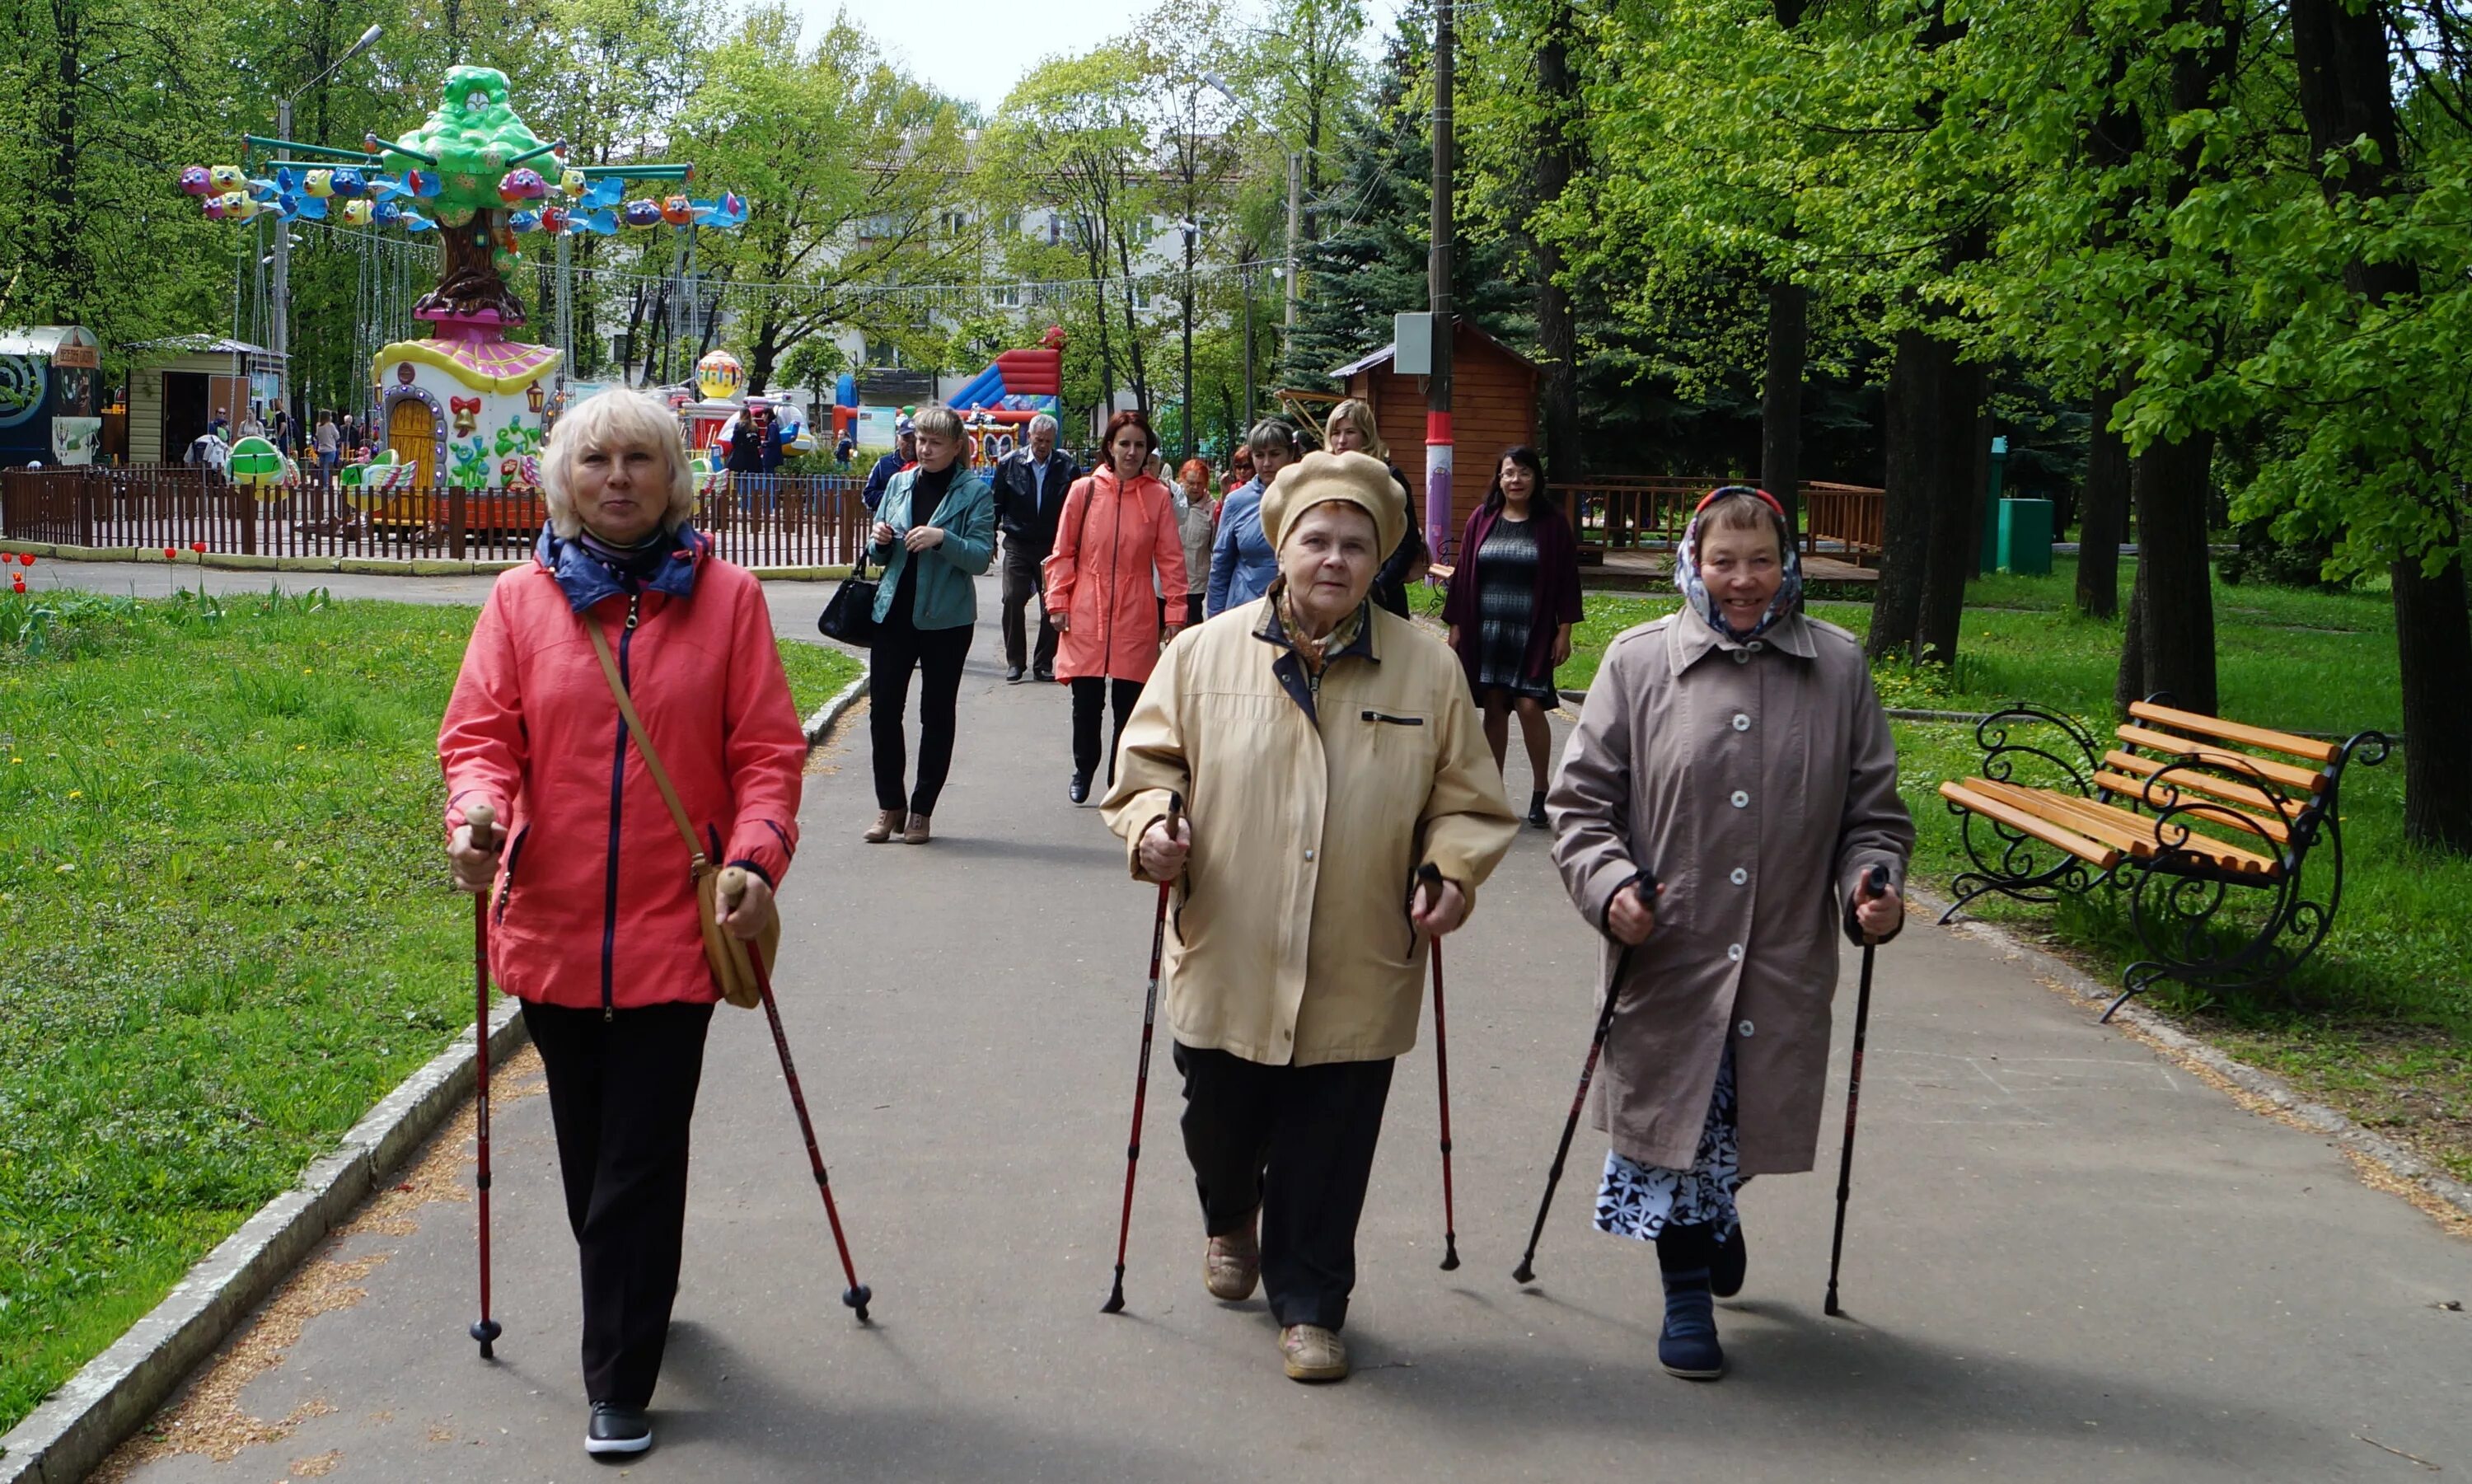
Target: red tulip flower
x: 25, y: 559
x: 18, y: 582
x: 199, y: 547
x: 169, y: 553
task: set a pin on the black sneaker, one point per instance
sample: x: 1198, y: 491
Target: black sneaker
x: 617, y: 1429
x: 1012, y: 675
x: 1079, y: 790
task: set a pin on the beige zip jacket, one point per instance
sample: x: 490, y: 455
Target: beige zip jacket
x: 1311, y: 810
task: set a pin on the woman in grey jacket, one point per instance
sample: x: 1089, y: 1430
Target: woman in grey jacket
x: 1737, y: 753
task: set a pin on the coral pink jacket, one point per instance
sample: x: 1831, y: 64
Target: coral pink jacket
x: 594, y: 905
x: 1110, y: 541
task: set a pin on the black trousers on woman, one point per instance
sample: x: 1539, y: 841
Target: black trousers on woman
x: 1296, y: 1141
x: 622, y: 1091
x: 1091, y: 695
x: 938, y: 654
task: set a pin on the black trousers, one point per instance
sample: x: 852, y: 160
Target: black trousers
x: 1025, y: 583
x: 621, y: 1092
x: 1090, y: 695
x: 897, y: 651
x: 1296, y: 1141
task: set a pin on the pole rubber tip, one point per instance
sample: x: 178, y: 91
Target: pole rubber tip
x: 1450, y: 1256
x: 1115, y: 1304
x: 858, y: 1299
x: 487, y: 1331
x: 1524, y: 1273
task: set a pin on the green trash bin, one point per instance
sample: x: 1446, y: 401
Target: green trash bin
x: 2026, y: 538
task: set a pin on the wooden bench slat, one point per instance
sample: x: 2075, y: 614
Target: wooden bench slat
x: 2134, y: 833
x: 2222, y: 813
x: 2168, y: 745
x: 2103, y: 857
x: 2189, y: 779
x: 2241, y: 732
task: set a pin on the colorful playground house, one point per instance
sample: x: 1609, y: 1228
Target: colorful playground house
x: 48, y: 397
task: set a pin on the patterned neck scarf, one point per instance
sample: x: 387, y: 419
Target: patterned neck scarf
x: 1314, y: 654
x: 1694, y: 593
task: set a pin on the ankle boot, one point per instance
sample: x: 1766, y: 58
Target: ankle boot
x: 1688, y: 1345
x: 1729, y: 1264
x: 889, y: 823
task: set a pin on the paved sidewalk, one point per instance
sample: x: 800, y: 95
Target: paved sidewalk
x: 2067, y: 1259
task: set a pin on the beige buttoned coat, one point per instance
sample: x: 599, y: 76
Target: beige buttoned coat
x: 1311, y: 810
x: 1758, y: 781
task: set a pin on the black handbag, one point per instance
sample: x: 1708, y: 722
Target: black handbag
x: 850, y: 616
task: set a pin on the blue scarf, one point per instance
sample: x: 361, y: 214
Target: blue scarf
x: 1694, y: 593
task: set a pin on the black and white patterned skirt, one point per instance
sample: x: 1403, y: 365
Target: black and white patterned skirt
x: 1641, y: 1200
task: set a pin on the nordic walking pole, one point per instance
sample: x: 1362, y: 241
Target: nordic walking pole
x: 483, y: 821
x: 731, y: 886
x: 1526, y: 1272
x: 1430, y: 876
x: 1876, y: 882
x: 1115, y: 1304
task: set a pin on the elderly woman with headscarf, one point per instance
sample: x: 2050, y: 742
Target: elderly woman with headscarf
x: 595, y: 922
x: 1324, y: 751
x: 1735, y: 754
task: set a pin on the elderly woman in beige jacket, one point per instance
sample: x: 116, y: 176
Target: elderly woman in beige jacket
x: 1325, y: 750
x: 1736, y: 754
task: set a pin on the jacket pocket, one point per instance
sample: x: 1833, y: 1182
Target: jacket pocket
x: 1391, y: 719
x: 506, y: 878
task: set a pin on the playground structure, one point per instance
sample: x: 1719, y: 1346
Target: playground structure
x: 464, y: 405
x: 47, y: 396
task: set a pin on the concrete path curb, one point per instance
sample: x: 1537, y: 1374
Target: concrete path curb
x: 73, y: 1430
x: 829, y: 715
x: 2334, y: 1123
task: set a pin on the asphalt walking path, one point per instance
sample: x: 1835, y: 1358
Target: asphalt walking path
x: 2067, y: 1259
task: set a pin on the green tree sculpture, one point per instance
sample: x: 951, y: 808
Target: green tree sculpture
x: 474, y: 135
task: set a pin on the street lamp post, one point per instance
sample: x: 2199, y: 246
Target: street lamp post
x: 282, y: 287
x: 1438, y: 291
x: 1191, y: 230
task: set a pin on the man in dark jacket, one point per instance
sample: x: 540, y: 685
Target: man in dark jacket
x: 905, y: 453
x: 1031, y: 483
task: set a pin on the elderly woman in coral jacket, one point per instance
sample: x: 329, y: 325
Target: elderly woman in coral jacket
x: 596, y: 927
x: 1117, y: 548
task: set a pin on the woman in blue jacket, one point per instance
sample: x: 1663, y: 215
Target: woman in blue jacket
x: 933, y: 533
x: 1242, y: 562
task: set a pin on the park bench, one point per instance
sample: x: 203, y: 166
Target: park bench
x: 2189, y: 814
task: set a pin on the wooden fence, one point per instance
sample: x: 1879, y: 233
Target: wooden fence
x: 777, y: 522
x: 1620, y: 514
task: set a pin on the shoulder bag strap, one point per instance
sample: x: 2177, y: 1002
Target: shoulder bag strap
x: 643, y: 741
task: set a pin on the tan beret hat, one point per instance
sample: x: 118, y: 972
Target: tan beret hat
x: 1357, y: 479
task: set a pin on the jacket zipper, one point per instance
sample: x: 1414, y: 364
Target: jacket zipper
x: 617, y: 803
x: 506, y: 881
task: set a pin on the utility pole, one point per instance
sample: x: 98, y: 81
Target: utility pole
x: 1438, y: 298
x: 1245, y: 275
x: 1296, y: 211
x: 1190, y: 229
x: 283, y: 336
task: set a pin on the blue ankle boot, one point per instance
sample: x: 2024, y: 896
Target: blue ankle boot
x: 1687, y: 1347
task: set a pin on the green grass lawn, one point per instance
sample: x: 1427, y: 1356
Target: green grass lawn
x: 2380, y: 1021
x: 224, y: 925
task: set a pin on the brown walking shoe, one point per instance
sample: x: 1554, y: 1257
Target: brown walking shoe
x: 887, y: 824
x: 916, y: 833
x: 1232, y: 1264
x: 1314, y: 1354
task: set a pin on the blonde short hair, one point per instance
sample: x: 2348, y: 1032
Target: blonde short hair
x: 1359, y: 414
x: 938, y: 419
x: 612, y: 419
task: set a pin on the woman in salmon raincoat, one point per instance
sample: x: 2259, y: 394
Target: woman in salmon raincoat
x: 1117, y: 548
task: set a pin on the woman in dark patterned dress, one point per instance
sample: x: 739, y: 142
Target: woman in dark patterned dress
x: 1511, y: 606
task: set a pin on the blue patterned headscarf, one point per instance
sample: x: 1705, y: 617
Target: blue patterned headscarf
x: 1686, y: 567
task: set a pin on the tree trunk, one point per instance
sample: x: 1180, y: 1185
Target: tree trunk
x: 1781, y: 397
x: 2433, y: 641
x: 2105, y: 519
x: 1956, y: 543
x: 2346, y: 96
x: 1914, y: 397
x: 2129, y: 685
x: 2176, y: 619
x: 1558, y: 335
x: 468, y: 280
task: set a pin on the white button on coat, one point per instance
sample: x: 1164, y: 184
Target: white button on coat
x: 1309, y: 854
x: 1734, y: 951
x: 1741, y: 799
x: 1739, y: 877
x: 1744, y: 1028
x: 1742, y: 722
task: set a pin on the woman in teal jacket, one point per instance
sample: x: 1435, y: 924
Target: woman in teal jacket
x: 934, y: 531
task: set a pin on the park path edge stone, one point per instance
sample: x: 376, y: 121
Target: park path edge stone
x: 77, y: 1426
x: 368, y: 567
x: 2338, y: 1127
